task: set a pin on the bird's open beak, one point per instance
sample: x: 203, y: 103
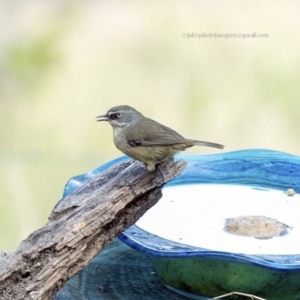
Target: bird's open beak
x: 102, y: 118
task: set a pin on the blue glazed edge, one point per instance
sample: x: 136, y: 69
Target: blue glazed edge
x: 255, y: 167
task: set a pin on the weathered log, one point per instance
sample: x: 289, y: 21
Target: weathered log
x: 79, y: 226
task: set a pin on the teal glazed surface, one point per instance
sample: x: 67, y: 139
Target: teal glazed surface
x: 254, y: 167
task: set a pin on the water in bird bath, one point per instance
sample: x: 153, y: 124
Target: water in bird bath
x: 198, y: 215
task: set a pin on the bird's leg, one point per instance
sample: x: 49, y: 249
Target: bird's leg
x: 157, y: 167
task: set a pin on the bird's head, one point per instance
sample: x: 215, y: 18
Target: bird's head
x: 120, y: 116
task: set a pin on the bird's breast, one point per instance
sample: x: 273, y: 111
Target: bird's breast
x: 120, y: 139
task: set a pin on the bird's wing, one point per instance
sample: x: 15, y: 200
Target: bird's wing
x: 151, y: 133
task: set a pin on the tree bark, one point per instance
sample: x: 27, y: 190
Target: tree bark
x: 79, y: 226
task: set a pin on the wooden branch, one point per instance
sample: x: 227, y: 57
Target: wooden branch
x: 79, y: 226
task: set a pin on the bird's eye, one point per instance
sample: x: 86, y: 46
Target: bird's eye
x: 115, y: 116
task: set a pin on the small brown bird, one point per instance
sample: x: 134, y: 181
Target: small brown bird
x: 144, y: 139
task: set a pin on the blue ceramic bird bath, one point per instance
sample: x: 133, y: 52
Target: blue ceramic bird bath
x: 229, y: 223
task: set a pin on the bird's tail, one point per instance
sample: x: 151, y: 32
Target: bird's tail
x: 205, y: 144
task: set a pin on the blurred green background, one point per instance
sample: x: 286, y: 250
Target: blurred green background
x: 64, y: 62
